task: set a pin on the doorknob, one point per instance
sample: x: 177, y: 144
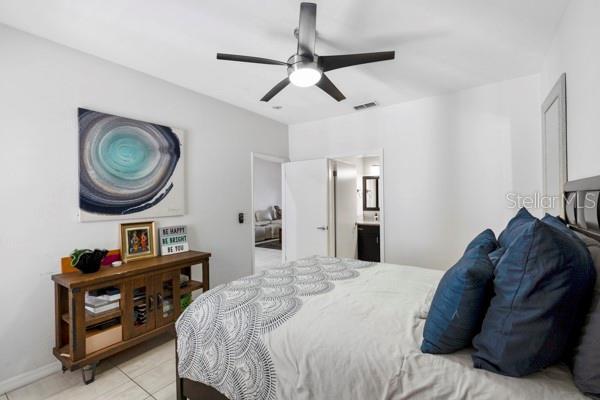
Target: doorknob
x: 322, y: 228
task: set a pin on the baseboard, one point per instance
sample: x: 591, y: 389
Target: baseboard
x: 28, y: 377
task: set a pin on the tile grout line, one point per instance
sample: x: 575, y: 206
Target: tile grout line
x: 133, y: 380
x: 158, y: 390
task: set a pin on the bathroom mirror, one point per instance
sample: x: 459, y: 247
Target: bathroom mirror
x: 370, y: 190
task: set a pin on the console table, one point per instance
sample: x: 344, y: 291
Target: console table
x: 149, y: 304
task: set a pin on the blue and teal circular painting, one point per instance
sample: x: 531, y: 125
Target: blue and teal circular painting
x: 125, y: 165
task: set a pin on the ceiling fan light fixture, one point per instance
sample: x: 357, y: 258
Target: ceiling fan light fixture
x: 305, y: 68
x: 305, y: 76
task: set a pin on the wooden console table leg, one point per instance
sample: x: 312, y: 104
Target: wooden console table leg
x: 76, y: 324
x: 205, y: 276
x: 58, y: 312
x: 88, y: 373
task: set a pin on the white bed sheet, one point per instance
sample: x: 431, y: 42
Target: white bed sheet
x: 361, y: 341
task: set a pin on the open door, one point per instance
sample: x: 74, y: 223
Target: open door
x: 305, y: 207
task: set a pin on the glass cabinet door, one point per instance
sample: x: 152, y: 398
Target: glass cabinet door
x: 167, y: 297
x: 140, y: 305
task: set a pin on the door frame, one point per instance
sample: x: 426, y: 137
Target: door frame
x: 266, y: 157
x: 378, y: 153
x: 558, y: 96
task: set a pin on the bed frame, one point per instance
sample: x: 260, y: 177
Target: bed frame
x: 189, y: 389
x: 582, y: 206
x: 581, y: 210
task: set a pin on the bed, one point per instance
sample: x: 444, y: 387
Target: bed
x: 322, y: 327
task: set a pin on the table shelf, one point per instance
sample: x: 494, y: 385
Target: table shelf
x: 191, y: 287
x: 94, y: 319
x: 158, y: 276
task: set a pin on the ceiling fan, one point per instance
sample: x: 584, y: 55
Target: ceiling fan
x: 305, y: 68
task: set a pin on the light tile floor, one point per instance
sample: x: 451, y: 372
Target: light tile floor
x: 143, y: 372
x: 266, y: 258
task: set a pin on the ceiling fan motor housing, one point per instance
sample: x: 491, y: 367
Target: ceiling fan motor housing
x: 305, y: 68
x: 298, y: 61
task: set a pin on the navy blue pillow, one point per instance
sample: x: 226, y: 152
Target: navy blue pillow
x: 561, y: 226
x: 496, y: 255
x: 542, y: 283
x: 459, y: 304
x: 515, y: 226
x: 486, y: 240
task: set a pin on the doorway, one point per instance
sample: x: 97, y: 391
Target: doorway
x: 358, y: 207
x: 334, y: 207
x: 266, y: 214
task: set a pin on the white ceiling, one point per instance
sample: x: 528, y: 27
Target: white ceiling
x: 441, y: 45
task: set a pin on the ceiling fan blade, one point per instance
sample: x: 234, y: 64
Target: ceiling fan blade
x: 328, y: 87
x: 249, y: 59
x: 329, y: 63
x: 307, y: 29
x: 276, y: 89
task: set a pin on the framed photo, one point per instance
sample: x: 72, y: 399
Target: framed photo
x: 138, y: 240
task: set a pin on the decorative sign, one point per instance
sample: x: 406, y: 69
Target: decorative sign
x: 173, y: 240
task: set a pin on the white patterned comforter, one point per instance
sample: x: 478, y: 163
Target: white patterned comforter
x: 324, y: 328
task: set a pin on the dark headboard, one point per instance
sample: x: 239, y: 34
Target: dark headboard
x: 582, y: 205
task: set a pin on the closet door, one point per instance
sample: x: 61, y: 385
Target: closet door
x: 305, y: 209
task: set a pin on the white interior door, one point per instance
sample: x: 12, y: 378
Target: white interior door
x: 345, y: 210
x: 305, y: 209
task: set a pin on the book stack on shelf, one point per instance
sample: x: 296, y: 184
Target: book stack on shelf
x: 139, y: 308
x: 102, y: 300
x: 183, y: 280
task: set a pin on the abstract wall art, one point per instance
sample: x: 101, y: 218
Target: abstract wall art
x: 128, y: 168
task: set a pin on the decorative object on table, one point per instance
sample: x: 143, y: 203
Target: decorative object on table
x: 86, y: 260
x: 185, y: 301
x: 138, y: 240
x: 173, y: 240
x: 128, y: 168
x: 117, y: 263
x: 112, y: 255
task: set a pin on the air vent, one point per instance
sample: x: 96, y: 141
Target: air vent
x: 365, y: 106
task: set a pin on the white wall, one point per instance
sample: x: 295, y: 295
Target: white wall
x: 41, y: 86
x: 267, y: 184
x: 448, y: 163
x: 574, y: 50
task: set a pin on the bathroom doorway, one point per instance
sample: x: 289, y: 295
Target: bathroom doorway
x: 326, y: 212
x: 356, y: 214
